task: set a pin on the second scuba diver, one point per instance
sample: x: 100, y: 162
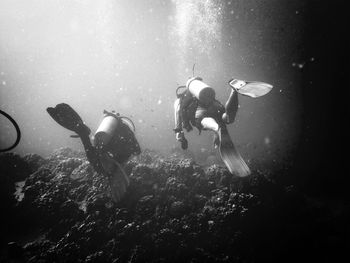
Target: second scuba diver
x: 114, y: 143
x: 197, y: 106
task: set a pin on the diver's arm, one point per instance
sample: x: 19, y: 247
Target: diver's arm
x: 178, y: 117
x: 179, y: 134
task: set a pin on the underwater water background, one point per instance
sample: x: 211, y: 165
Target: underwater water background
x: 130, y: 56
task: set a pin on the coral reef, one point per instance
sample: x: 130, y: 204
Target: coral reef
x: 173, y: 211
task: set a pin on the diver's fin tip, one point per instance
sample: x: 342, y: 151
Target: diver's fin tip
x: 231, y: 157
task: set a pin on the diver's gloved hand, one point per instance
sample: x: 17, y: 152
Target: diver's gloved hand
x: 180, y: 136
x: 187, y: 126
x: 184, y: 144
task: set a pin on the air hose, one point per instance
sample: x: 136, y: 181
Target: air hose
x: 18, y: 131
x: 117, y: 115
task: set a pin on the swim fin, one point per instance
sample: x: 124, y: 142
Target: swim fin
x: 230, y: 156
x: 253, y: 89
x: 118, y: 179
x: 64, y: 115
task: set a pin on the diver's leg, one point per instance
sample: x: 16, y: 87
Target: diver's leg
x: 185, y: 102
x: 211, y: 124
x: 231, y: 107
x: 92, y: 154
x: 67, y: 117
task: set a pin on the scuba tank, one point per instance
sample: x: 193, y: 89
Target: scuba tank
x: 115, y: 135
x: 202, y: 91
x: 106, y: 131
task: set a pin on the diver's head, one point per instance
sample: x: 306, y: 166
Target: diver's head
x: 207, y: 96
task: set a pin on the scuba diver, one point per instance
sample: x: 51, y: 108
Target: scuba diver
x: 196, y: 106
x: 114, y: 142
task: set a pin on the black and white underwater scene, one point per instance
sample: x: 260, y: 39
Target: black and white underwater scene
x: 174, y: 131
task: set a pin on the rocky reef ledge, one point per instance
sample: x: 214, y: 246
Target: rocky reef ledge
x: 57, y: 209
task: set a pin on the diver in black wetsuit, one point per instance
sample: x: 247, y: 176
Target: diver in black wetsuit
x: 197, y: 106
x: 114, y: 143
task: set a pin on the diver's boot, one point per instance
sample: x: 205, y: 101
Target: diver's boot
x: 237, y: 84
x: 251, y: 89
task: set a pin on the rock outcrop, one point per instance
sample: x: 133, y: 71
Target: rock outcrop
x: 173, y: 211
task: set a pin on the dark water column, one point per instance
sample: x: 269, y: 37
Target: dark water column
x: 322, y: 159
